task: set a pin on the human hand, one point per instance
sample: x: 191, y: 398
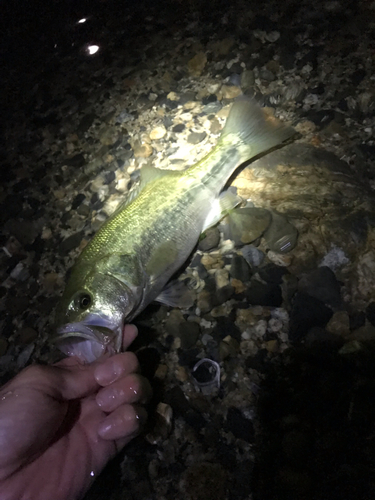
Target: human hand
x: 61, y: 424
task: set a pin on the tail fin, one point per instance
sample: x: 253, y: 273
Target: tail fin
x: 247, y: 122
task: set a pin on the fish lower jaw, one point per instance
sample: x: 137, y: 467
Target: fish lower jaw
x: 86, y: 350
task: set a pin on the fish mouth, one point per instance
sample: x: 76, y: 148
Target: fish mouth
x: 90, y: 339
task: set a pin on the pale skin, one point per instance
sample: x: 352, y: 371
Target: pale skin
x: 61, y: 424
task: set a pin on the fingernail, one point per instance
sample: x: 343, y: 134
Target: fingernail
x: 106, y: 399
x: 106, y: 373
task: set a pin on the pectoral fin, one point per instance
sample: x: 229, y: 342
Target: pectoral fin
x: 176, y: 294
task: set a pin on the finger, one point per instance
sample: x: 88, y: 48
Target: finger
x: 129, y: 334
x: 117, y: 366
x: 130, y: 389
x: 125, y: 421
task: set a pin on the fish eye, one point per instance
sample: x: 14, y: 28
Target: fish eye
x: 84, y: 301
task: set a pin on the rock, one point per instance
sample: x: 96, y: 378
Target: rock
x: 173, y: 322
x: 205, y: 301
x: 339, y: 324
x: 240, y: 269
x: 189, y: 333
x: 363, y: 334
x: 252, y: 255
x: 221, y: 278
x: 281, y: 236
x: 238, y: 286
x: 142, y: 150
x: 180, y: 127
x: 196, y: 137
x: 229, y: 92
x: 323, y: 285
x: 20, y: 272
x: 247, y: 79
x: 264, y: 294
x: 307, y: 312
x: 162, y: 424
x: 204, y: 480
x: 224, y: 293
x: 197, y: 63
x: 78, y: 199
x: 228, y: 347
x: 245, y: 318
x: 272, y: 346
x: 209, y: 240
x: 266, y: 74
x: 70, y: 243
x: 77, y: 161
x: 280, y: 259
x: 247, y: 224
x: 24, y: 231
x: 240, y: 426
x: 157, y: 133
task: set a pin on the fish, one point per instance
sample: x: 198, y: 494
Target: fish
x: 130, y: 260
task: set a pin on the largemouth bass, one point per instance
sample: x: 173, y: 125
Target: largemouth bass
x: 129, y: 261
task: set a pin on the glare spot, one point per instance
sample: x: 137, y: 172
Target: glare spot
x: 92, y: 49
x: 81, y: 21
x: 92, y: 473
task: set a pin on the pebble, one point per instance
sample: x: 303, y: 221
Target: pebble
x: 196, y: 137
x: 240, y: 269
x: 221, y: 278
x: 247, y: 79
x: 228, y: 92
x: 157, y: 133
x: 142, y: 150
x: 209, y: 240
x: 197, y: 64
x: 339, y: 324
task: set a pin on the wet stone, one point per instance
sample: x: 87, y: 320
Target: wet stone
x: 189, y: 333
x: 77, y: 161
x: 264, y: 294
x: 70, y: 243
x: 78, y: 200
x: 210, y: 239
x: 281, y: 236
x: 196, y: 137
x: 339, y: 324
x: 197, y: 64
x: 240, y: 426
x: 323, y: 285
x: 240, y: 269
x: 307, y: 312
x: 247, y: 224
x: 253, y: 256
x: 204, y: 480
x: 24, y: 231
x: 188, y: 357
x: 272, y: 273
x: 247, y: 79
x: 180, y: 127
x: 224, y: 293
